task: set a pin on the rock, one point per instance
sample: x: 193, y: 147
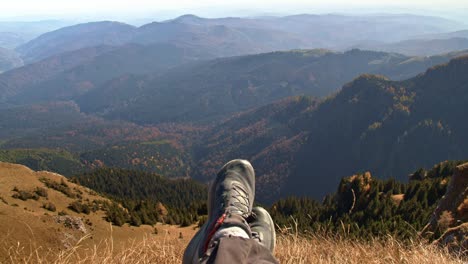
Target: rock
x: 455, y: 200
x: 451, y: 215
x: 75, y: 223
x: 455, y: 239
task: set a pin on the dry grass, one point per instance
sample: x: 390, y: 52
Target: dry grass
x: 149, y: 250
x: 290, y: 249
x: 318, y: 249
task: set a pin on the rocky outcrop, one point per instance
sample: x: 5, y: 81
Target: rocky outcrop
x: 451, y: 215
x: 455, y: 239
x: 75, y: 223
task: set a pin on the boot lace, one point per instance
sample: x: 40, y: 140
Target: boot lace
x: 240, y: 200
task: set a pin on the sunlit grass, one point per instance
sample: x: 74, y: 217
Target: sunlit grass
x: 290, y: 249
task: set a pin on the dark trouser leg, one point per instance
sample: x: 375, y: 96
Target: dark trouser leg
x: 238, y: 250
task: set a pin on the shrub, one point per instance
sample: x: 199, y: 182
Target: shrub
x: 78, y: 207
x: 61, y: 187
x: 115, y: 214
x: 41, y: 192
x: 62, y: 213
x: 135, y: 220
x: 445, y: 221
x: 185, y: 222
x: 25, y: 195
x: 49, y: 206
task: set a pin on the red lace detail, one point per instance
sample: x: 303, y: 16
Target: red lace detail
x: 214, y: 228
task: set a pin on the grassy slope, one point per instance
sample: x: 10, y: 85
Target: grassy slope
x: 32, y: 236
x: 25, y: 225
x: 290, y: 249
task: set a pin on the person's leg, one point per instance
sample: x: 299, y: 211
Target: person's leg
x: 240, y: 251
x: 259, y: 249
x: 226, y: 237
x: 263, y: 228
x: 230, y: 201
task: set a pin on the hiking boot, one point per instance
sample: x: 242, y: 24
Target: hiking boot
x: 263, y: 228
x: 230, y: 201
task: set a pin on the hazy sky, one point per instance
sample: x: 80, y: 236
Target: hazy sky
x: 90, y: 8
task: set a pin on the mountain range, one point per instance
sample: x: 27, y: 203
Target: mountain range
x: 74, y: 73
x: 421, y: 47
x: 17, y: 80
x: 299, y: 145
x: 240, y: 36
x: 143, y: 83
x: 159, y: 98
x: 449, y: 35
x: 218, y: 88
x: 75, y: 37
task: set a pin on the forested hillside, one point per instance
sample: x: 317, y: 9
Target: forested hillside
x: 59, y: 161
x: 365, y: 207
x: 148, y: 198
x: 215, y: 89
x: 71, y: 74
x: 19, y: 80
x: 371, y: 124
x: 385, y: 126
x: 9, y: 60
x: 413, y: 46
x: 299, y: 145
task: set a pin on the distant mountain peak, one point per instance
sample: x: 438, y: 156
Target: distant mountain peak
x: 303, y: 16
x: 369, y: 78
x: 97, y: 24
x: 187, y: 18
x: 76, y: 37
x: 456, y: 63
x: 462, y: 59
